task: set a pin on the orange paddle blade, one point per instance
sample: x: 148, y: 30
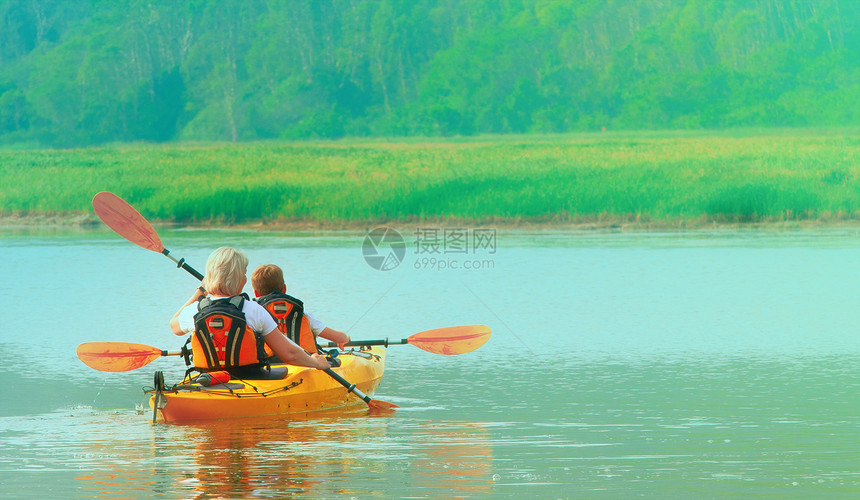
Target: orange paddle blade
x: 126, y: 221
x: 452, y: 339
x: 116, y: 356
x: 375, y: 404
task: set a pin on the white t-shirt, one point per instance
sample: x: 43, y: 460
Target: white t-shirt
x: 316, y: 325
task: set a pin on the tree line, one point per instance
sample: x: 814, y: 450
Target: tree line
x: 84, y: 72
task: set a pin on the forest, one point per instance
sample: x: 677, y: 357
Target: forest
x: 77, y: 73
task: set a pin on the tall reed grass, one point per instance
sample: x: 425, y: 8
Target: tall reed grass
x: 646, y: 177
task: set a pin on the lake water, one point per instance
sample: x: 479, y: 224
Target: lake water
x: 672, y: 365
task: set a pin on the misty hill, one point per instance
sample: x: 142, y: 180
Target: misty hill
x: 82, y: 72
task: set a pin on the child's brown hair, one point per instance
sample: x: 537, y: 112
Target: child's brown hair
x: 267, y: 278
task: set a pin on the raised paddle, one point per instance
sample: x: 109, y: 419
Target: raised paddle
x: 449, y: 340
x: 128, y: 223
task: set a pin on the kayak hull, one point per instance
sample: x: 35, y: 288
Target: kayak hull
x: 301, y: 390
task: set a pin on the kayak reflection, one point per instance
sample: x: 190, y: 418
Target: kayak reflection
x: 456, y: 456
x: 233, y: 458
x: 350, y: 451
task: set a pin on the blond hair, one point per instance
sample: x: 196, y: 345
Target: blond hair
x: 225, y: 272
x: 267, y: 278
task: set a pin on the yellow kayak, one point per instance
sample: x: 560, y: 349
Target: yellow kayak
x: 292, y: 389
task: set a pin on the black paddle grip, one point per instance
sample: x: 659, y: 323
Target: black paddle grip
x: 191, y: 270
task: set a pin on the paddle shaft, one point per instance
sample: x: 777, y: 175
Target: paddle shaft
x: 349, y: 387
x: 182, y: 264
x: 368, y: 343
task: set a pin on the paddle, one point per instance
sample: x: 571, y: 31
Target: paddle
x: 124, y: 356
x: 448, y: 340
x: 128, y: 223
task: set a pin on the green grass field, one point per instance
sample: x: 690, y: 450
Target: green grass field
x: 637, y: 177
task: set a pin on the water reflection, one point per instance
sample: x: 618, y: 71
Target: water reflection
x: 456, y: 458
x: 233, y: 458
x: 240, y: 458
x: 346, y: 452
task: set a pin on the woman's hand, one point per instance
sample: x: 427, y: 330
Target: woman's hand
x: 322, y: 362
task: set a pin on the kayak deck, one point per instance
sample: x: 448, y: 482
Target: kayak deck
x: 301, y: 390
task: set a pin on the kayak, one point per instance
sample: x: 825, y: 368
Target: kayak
x: 290, y: 389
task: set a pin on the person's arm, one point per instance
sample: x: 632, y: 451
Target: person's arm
x: 174, y: 321
x: 320, y: 330
x: 291, y: 353
x: 336, y: 336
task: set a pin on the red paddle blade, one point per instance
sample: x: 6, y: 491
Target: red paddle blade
x: 126, y: 221
x: 375, y: 404
x: 452, y: 339
x: 116, y: 356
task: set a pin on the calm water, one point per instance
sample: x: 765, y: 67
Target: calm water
x: 698, y: 365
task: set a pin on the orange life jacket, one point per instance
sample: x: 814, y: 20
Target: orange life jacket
x: 222, y: 339
x: 289, y: 313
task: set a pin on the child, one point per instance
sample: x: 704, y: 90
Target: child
x: 225, y: 314
x: 293, y: 321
